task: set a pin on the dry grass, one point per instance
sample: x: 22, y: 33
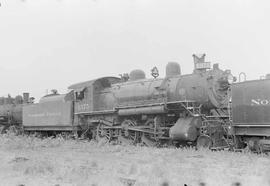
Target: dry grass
x: 29, y: 160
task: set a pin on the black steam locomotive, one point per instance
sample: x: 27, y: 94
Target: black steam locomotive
x: 11, y: 110
x: 203, y: 108
x: 178, y: 109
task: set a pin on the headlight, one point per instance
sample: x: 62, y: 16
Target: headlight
x: 230, y: 79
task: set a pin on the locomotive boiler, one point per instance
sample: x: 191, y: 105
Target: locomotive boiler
x: 155, y: 111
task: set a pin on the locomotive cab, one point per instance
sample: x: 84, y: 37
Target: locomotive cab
x: 92, y: 96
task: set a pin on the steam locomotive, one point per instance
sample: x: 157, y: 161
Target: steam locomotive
x: 203, y: 108
x: 11, y: 110
x: 178, y: 109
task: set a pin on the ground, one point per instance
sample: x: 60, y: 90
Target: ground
x: 31, y: 161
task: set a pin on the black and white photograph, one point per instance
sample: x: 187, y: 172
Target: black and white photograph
x: 134, y: 93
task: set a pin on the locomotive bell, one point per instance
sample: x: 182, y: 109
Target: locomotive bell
x: 173, y: 69
x: 136, y: 75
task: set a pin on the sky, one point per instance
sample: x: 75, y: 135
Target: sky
x: 51, y: 44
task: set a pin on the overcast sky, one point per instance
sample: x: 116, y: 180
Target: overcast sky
x: 50, y: 44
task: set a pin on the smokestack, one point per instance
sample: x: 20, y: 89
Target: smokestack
x: 25, y: 97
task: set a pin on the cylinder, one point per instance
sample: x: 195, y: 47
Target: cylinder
x: 185, y: 129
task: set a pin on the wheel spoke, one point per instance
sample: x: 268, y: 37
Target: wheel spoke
x: 103, y: 132
x: 128, y: 133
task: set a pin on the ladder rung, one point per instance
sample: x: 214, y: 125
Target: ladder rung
x: 193, y: 107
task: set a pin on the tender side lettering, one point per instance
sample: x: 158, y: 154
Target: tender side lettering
x: 46, y: 114
x: 260, y: 102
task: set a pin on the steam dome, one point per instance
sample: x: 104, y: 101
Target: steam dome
x: 173, y: 69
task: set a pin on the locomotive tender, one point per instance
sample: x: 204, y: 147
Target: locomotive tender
x: 175, y: 109
x: 54, y: 112
x: 251, y: 114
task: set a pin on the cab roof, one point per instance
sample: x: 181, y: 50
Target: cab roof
x: 105, y: 81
